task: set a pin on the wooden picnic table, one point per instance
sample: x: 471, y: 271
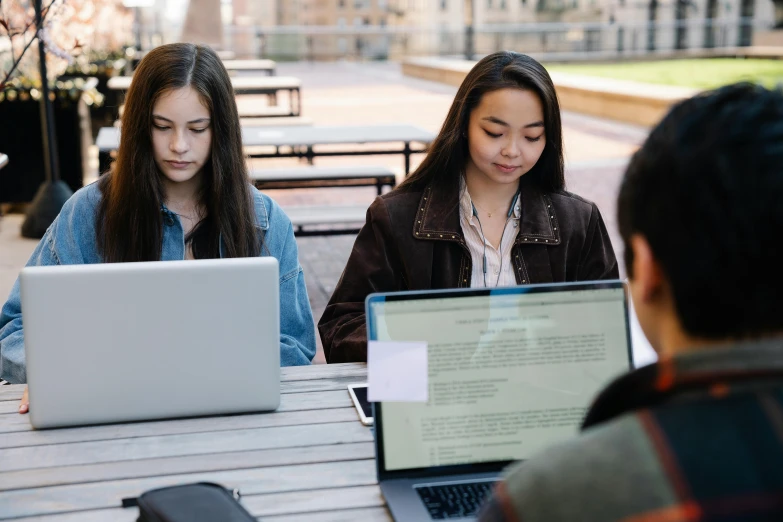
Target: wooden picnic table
x: 262, y: 85
x: 266, y: 66
x: 138, y: 55
x: 311, y: 460
x: 302, y: 141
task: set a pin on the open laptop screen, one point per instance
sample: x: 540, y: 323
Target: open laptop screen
x: 511, y: 370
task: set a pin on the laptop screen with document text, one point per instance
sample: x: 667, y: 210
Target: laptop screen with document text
x: 510, y: 371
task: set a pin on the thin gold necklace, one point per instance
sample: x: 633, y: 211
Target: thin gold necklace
x: 489, y: 214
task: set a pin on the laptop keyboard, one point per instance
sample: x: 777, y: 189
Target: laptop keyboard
x: 456, y: 500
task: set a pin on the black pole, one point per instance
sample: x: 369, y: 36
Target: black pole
x: 469, y: 53
x: 469, y: 33
x: 53, y: 192
x: 49, y: 137
x: 137, y: 29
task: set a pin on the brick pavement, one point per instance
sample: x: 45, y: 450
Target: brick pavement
x: 373, y: 93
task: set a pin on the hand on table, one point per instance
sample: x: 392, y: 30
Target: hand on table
x: 24, y: 404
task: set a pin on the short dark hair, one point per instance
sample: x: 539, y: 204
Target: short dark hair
x: 448, y: 153
x: 706, y: 191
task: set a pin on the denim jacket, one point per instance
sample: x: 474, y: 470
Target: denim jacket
x: 71, y: 240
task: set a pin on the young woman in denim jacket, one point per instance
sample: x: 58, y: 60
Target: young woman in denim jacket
x: 178, y: 190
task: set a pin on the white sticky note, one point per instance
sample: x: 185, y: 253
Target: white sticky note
x: 397, y: 371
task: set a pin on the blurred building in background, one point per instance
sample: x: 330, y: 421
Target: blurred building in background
x: 555, y: 29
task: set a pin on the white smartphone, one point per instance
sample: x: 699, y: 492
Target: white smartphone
x: 358, y: 393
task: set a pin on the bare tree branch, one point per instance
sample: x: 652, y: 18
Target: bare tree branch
x: 8, y: 30
x: 15, y: 63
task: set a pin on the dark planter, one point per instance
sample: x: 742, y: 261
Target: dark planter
x: 20, y: 138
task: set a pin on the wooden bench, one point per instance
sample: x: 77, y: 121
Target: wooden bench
x: 255, y: 120
x: 265, y: 111
x: 321, y: 220
x: 317, y: 176
x: 264, y: 66
x: 287, y: 121
x: 290, y: 121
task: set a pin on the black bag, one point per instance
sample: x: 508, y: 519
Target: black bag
x: 198, y: 502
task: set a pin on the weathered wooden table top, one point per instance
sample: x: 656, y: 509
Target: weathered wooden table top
x: 311, y: 460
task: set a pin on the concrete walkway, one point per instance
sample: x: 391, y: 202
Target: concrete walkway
x: 596, y: 152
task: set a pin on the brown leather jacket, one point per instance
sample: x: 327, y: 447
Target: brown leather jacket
x: 413, y: 241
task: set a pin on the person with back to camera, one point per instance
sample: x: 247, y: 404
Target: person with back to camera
x: 178, y: 190
x: 486, y: 207
x: 698, y: 436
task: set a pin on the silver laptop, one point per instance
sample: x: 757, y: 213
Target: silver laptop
x: 511, y: 371
x: 139, y: 341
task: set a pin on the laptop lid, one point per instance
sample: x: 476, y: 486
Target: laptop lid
x: 137, y: 341
x: 511, y: 371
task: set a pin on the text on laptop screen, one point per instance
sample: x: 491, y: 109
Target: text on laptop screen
x: 509, y: 374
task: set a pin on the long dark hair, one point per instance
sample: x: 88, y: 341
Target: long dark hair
x: 448, y: 154
x: 129, y: 221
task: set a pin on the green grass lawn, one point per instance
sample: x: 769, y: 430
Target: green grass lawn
x: 701, y: 74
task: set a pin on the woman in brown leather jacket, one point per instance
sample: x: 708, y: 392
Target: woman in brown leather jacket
x: 486, y: 207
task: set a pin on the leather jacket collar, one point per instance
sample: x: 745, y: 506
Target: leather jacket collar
x: 437, y: 217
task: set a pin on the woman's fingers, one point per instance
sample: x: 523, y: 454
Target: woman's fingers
x: 24, y: 404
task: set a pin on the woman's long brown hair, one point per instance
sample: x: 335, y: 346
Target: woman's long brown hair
x: 129, y: 222
x: 448, y: 153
